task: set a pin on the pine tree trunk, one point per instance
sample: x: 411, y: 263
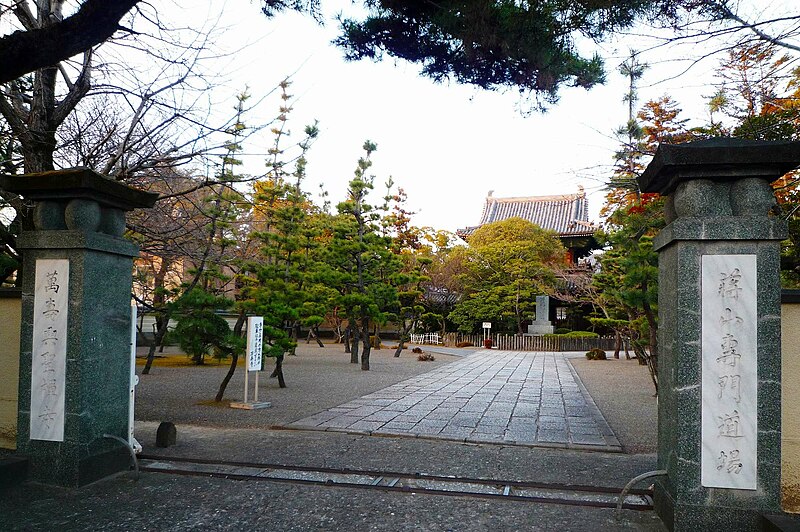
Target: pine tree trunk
x: 237, y: 331
x: 279, y: 371
x: 367, y: 346
x: 162, y: 318
x: 315, y: 329
x: 162, y: 323
x: 354, y: 349
x: 346, y: 340
x: 402, y: 337
x: 294, y: 335
x: 617, y: 344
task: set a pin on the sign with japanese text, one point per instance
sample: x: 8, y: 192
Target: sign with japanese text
x: 49, y: 349
x: 729, y: 372
x: 255, y: 338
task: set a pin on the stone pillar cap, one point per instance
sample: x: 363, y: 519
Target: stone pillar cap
x: 719, y: 159
x: 78, y: 183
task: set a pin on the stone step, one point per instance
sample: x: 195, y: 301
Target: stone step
x: 780, y: 522
x: 13, y: 470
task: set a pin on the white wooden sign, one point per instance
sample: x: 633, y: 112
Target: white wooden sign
x: 49, y: 349
x: 255, y: 338
x: 729, y: 372
x: 487, y: 324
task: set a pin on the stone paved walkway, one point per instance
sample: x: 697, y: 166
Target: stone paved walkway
x: 505, y: 397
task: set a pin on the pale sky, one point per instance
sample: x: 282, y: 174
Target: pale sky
x: 447, y: 145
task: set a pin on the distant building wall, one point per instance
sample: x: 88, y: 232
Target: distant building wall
x: 790, y: 401
x: 10, y: 310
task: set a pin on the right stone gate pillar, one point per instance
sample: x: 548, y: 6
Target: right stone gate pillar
x: 719, y: 364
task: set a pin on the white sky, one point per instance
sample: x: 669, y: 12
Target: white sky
x: 447, y: 145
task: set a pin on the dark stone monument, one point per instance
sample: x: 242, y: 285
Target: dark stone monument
x: 719, y: 408
x: 75, y: 339
x: 166, y: 435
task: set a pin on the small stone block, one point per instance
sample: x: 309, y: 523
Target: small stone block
x: 166, y: 435
x: 251, y: 406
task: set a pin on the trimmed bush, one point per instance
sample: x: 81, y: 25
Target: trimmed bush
x: 582, y: 334
x: 465, y: 344
x: 562, y: 330
x: 574, y: 334
x: 596, y: 354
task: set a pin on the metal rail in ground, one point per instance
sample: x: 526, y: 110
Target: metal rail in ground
x: 574, y: 495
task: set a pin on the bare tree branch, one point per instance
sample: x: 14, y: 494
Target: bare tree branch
x: 76, y: 92
x: 730, y: 15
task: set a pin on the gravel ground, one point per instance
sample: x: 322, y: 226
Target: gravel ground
x: 178, y: 503
x: 316, y: 379
x: 322, y: 378
x: 319, y: 379
x: 623, y: 392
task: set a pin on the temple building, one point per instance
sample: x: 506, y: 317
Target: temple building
x: 566, y: 214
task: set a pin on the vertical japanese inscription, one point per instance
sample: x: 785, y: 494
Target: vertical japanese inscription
x: 255, y: 338
x: 49, y: 349
x: 729, y: 372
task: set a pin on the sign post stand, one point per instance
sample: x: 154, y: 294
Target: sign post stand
x: 487, y: 334
x: 255, y: 338
x: 135, y: 445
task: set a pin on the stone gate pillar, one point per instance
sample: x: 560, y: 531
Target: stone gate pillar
x: 75, y: 338
x: 719, y: 364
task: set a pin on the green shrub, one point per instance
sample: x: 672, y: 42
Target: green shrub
x: 562, y: 330
x: 582, y: 334
x: 573, y: 334
x: 596, y: 354
x: 200, y: 329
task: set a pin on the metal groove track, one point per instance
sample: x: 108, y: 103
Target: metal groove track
x: 537, y: 492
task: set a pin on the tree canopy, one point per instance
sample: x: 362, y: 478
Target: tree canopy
x: 506, y: 265
x: 531, y: 46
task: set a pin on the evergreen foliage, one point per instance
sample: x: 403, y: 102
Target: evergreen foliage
x: 529, y: 46
x: 506, y: 265
x: 201, y: 330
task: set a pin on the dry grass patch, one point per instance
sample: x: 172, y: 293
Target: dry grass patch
x: 184, y: 361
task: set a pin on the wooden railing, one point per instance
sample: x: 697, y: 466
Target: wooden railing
x: 533, y: 343
x: 426, y: 338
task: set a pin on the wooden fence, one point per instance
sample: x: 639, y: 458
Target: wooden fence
x: 533, y: 343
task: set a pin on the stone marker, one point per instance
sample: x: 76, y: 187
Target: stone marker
x: 166, y: 435
x: 719, y: 331
x: 541, y: 324
x: 75, y: 338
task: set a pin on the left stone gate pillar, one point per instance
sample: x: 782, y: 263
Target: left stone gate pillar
x: 75, y: 338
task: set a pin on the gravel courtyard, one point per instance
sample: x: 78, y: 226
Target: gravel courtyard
x: 319, y: 379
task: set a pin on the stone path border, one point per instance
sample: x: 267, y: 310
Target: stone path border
x: 505, y: 397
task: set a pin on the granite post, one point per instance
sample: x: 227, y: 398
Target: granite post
x: 75, y: 333
x: 542, y: 324
x: 719, y: 368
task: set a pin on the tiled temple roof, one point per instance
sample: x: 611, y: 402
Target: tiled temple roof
x: 566, y: 214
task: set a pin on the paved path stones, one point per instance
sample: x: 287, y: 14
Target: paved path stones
x: 508, y: 397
